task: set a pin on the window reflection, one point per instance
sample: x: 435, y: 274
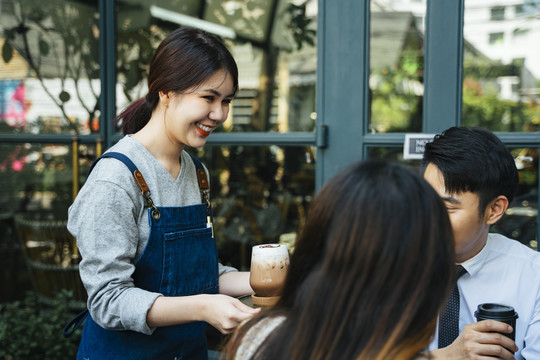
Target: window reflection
x: 49, y: 78
x: 36, y: 189
x: 497, y: 13
x: 501, y: 65
x: 250, y: 18
x: 259, y: 195
x: 396, y: 66
x: 37, y: 179
x: 520, y: 220
x: 501, y: 73
x: 393, y: 154
x: 273, y: 43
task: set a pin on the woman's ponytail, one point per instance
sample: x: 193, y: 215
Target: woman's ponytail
x: 135, y: 116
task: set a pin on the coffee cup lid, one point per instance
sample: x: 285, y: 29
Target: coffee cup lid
x: 496, y: 311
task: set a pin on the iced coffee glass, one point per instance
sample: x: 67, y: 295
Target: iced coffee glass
x: 269, y: 265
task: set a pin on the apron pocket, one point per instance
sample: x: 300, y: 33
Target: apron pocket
x: 190, y: 264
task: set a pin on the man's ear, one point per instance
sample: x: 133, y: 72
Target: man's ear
x: 495, y: 210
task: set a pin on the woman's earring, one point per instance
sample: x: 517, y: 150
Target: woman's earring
x: 165, y: 103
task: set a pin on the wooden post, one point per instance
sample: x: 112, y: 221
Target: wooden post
x: 75, y: 166
x: 99, y: 149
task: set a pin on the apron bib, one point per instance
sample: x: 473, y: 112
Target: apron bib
x: 180, y: 259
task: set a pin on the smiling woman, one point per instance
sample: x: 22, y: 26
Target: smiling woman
x: 170, y: 287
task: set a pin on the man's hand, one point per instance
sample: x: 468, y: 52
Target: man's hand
x: 481, y: 340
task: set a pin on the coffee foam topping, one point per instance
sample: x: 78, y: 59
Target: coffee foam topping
x: 269, y: 250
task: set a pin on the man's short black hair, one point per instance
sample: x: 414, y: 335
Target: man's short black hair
x: 473, y: 159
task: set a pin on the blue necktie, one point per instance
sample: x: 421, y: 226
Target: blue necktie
x: 449, y: 319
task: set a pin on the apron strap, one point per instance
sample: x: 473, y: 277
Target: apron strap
x: 123, y: 158
x: 139, y: 179
x: 74, y: 324
x: 204, y: 185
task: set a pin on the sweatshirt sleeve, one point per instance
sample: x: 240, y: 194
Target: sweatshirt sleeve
x: 223, y: 269
x: 103, y: 218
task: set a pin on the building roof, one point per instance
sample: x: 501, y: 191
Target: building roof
x: 390, y: 32
x: 17, y: 68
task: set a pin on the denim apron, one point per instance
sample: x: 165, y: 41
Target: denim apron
x: 180, y: 259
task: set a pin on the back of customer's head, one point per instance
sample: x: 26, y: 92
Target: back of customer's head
x: 475, y: 160
x: 370, y: 271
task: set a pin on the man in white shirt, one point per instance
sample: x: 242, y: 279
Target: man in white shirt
x: 476, y: 176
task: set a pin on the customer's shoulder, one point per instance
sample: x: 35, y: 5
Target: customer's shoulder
x: 267, y: 325
x: 260, y: 329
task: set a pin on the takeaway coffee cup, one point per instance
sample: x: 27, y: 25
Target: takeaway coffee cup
x: 499, y: 312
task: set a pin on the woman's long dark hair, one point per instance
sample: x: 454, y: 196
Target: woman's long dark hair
x: 184, y: 59
x: 371, y: 269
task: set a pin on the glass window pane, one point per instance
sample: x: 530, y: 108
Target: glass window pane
x: 496, y: 38
x: 38, y: 178
x: 259, y: 195
x: 272, y: 42
x: 138, y: 36
x: 520, y: 220
x: 37, y: 185
x: 497, y: 13
x: 392, y: 154
x: 396, y: 66
x: 501, y: 75
x: 249, y: 18
x: 49, y: 78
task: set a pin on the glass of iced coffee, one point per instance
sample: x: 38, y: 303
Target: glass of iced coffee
x: 269, y: 265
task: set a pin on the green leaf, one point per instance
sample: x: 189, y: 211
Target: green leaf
x: 33, y: 333
x: 7, y: 52
x: 43, y: 47
x: 10, y: 33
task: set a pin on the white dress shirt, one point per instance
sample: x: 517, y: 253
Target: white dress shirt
x: 505, y: 272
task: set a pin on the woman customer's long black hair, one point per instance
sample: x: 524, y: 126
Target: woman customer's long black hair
x: 371, y: 269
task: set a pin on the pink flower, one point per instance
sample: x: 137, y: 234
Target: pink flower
x: 17, y: 165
